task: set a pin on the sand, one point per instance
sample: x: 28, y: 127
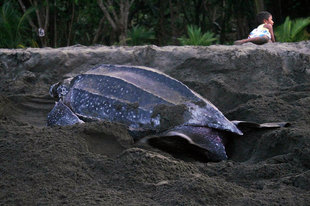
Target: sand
x: 98, y: 163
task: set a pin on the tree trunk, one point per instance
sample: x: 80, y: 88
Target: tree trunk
x: 118, y: 20
x: 260, y: 6
x: 43, y: 42
x: 173, y: 22
x: 98, y: 32
x: 71, y: 24
x: 226, y: 14
x: 55, y: 24
x: 22, y: 5
x: 242, y: 27
x: 161, y: 23
x: 41, y: 17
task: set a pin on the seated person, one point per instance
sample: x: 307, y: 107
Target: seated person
x: 263, y: 33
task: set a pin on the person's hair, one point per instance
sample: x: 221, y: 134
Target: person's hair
x: 261, y: 16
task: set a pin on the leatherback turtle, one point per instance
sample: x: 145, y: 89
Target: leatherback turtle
x: 152, y: 104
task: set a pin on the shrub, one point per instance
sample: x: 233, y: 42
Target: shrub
x: 195, y: 37
x: 12, y: 26
x: 293, y: 30
x: 139, y: 35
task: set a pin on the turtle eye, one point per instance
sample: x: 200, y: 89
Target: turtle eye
x: 62, y: 91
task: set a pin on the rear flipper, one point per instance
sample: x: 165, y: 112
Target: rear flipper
x: 201, y: 143
x: 62, y: 115
x: 246, y: 124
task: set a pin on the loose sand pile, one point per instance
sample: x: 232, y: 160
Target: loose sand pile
x: 98, y: 164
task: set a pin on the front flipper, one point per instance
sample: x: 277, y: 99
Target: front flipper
x: 201, y: 143
x: 246, y: 124
x: 62, y: 115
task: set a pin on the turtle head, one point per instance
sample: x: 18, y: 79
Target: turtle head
x: 58, y: 90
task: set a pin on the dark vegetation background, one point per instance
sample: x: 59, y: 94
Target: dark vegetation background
x: 133, y: 22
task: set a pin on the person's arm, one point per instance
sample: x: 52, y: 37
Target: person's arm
x: 269, y: 27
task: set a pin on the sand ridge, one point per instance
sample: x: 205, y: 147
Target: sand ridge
x: 98, y: 163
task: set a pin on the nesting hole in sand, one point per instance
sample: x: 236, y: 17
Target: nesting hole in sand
x: 179, y: 148
x: 261, y: 144
x: 106, y: 138
x: 104, y: 144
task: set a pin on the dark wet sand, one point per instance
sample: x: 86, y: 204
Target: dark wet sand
x: 98, y: 164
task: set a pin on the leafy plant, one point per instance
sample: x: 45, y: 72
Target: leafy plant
x: 195, y: 37
x: 293, y: 30
x: 12, y: 26
x: 139, y: 35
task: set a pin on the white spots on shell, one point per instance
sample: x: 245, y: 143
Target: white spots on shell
x: 155, y: 121
x: 105, y: 101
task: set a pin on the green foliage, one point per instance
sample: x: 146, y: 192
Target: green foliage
x: 87, y: 18
x: 139, y: 35
x: 195, y: 37
x: 83, y: 22
x: 293, y: 30
x: 12, y: 26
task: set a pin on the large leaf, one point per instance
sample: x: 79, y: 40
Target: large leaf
x: 293, y: 31
x: 139, y: 35
x: 12, y: 26
x: 299, y: 26
x: 196, y: 38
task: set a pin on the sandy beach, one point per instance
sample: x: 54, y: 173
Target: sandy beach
x: 98, y: 163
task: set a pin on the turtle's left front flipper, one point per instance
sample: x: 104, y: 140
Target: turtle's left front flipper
x: 246, y: 124
x: 62, y: 115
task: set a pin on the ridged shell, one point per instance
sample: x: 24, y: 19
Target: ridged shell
x: 128, y: 94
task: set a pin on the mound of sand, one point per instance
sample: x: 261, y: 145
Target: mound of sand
x: 98, y: 164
